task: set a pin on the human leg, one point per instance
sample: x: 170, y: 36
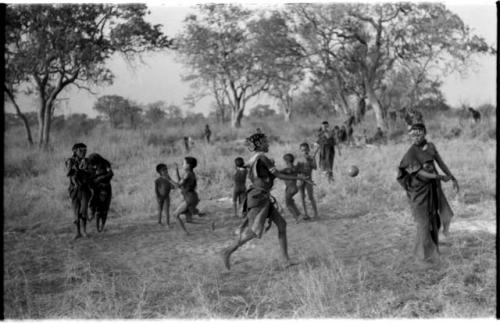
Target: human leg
x: 160, y: 202
x: 277, y: 219
x: 245, y: 236
x: 290, y: 204
x: 302, y: 191
x: 310, y: 193
x: 182, y: 208
x: 166, y: 206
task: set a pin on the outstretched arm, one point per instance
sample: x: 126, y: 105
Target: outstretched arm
x: 447, y: 171
x: 428, y: 175
x: 283, y: 176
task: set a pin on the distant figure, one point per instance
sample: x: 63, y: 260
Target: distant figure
x: 342, y: 134
x: 393, y: 115
x: 163, y: 186
x: 291, y: 188
x: 476, y: 115
x: 326, y: 142
x: 350, y: 121
x: 208, y: 133
x: 418, y: 175
x: 101, y: 189
x: 349, y: 135
x: 306, y: 164
x: 378, y: 138
x: 336, y: 132
x: 79, y: 187
x: 186, y: 144
x: 411, y: 116
x: 239, y: 190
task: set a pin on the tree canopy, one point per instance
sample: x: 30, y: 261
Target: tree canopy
x: 50, y: 47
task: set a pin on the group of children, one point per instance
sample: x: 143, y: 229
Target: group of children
x: 187, y: 183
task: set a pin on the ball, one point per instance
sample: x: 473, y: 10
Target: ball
x: 353, y: 171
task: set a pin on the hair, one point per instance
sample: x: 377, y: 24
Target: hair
x: 288, y: 158
x: 239, y: 162
x: 159, y: 167
x: 78, y: 145
x: 418, y: 126
x: 254, y: 142
x: 191, y: 161
x: 304, y: 144
x: 324, y: 122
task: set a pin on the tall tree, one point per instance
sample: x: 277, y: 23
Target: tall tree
x: 50, y: 47
x: 281, y: 56
x: 370, y: 41
x: 217, y: 46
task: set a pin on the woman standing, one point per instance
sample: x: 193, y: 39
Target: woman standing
x: 430, y: 209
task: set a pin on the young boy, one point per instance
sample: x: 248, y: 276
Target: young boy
x: 291, y: 186
x: 306, y: 165
x: 239, y: 177
x: 101, y: 189
x: 187, y: 184
x: 163, y: 186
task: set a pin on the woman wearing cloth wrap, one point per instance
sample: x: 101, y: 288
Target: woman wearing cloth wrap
x: 419, y: 177
x: 258, y: 205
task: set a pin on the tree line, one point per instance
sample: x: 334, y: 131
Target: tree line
x: 345, y: 58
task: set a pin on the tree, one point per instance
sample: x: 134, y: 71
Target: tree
x: 155, y: 111
x: 281, y: 57
x: 362, y: 44
x: 50, y: 47
x: 120, y: 111
x: 217, y: 46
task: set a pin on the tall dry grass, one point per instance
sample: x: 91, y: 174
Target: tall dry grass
x: 356, y: 263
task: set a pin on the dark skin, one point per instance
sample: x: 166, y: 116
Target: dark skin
x: 163, y: 198
x: 418, y: 138
x: 248, y: 235
x: 80, y: 206
x: 303, y: 189
x: 183, y: 207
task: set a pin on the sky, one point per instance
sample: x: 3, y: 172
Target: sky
x: 159, y: 79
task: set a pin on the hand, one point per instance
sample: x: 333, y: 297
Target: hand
x: 308, y: 181
x: 444, y: 178
x: 455, y: 186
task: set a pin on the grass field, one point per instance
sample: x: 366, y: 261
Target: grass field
x: 354, y: 262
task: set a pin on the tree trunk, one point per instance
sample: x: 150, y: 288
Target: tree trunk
x: 373, y: 100
x: 46, y: 126
x: 236, y: 116
x: 22, y: 117
x: 41, y: 121
x: 288, y: 114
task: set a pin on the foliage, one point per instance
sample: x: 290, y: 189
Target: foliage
x: 217, y: 45
x: 119, y: 111
x: 50, y: 47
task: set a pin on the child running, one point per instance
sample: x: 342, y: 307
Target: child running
x: 187, y: 184
x: 163, y: 186
x: 306, y: 165
x: 239, y: 177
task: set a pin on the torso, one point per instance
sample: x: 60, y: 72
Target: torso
x: 260, y: 174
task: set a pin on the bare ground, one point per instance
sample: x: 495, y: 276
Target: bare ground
x: 351, y: 263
